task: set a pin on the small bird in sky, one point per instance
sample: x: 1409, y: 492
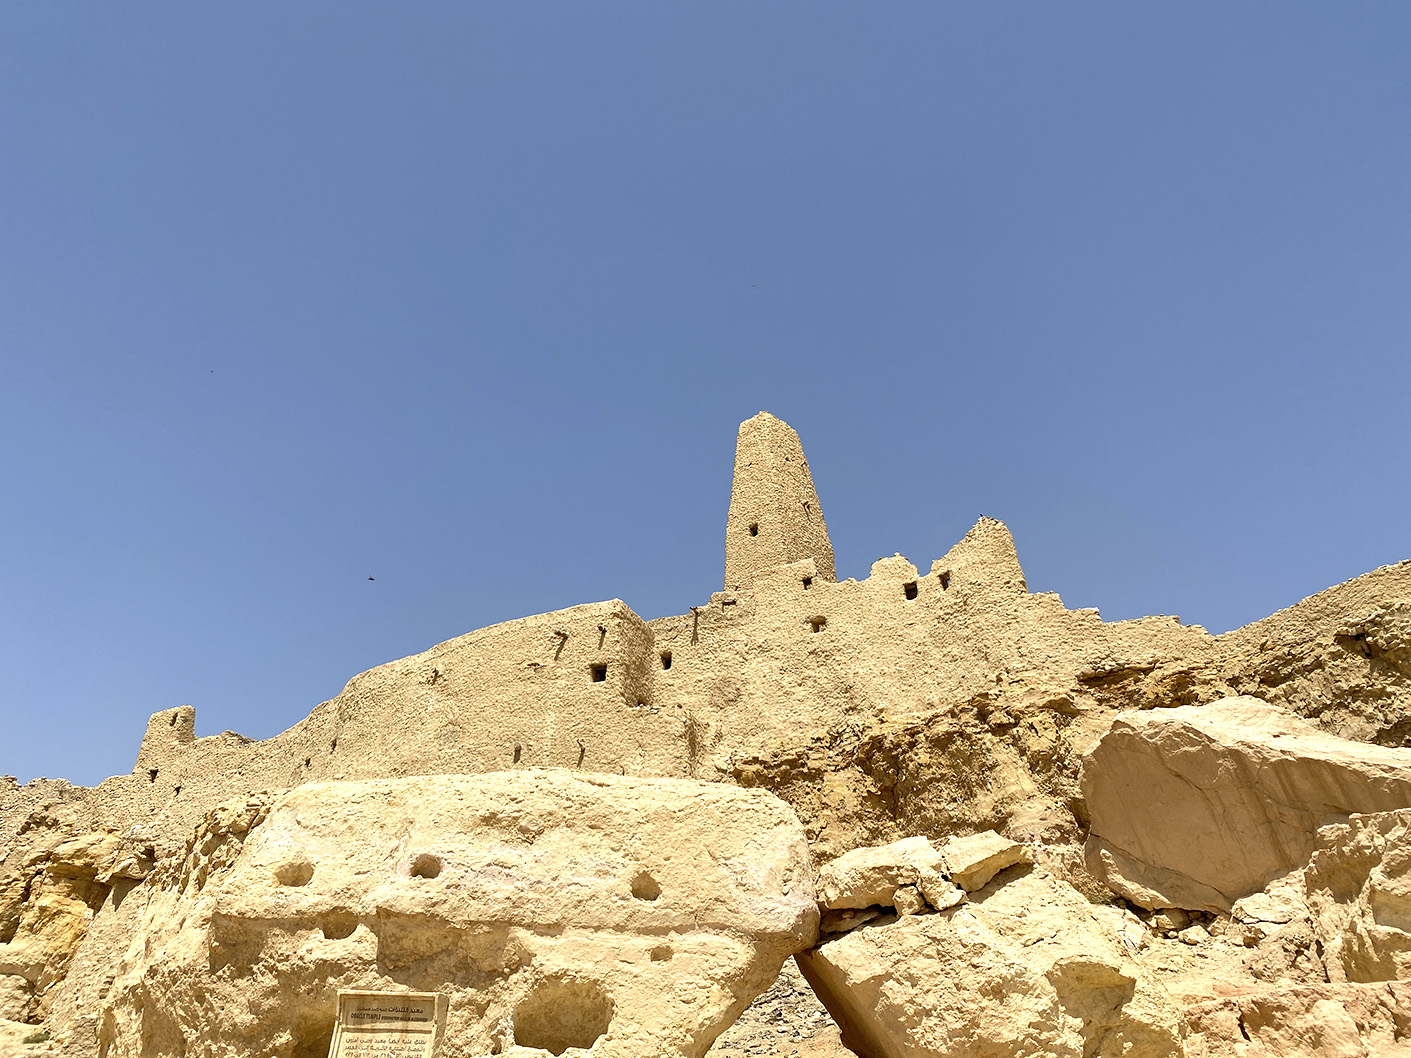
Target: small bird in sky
x: 369, y: 578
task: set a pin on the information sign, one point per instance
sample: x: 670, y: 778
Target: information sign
x: 385, y: 1025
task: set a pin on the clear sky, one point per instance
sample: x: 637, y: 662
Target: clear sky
x: 471, y: 298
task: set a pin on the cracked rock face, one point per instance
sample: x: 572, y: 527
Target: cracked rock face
x: 1023, y: 968
x: 1198, y: 806
x: 1359, y: 893
x: 558, y: 911
x: 1326, y: 1021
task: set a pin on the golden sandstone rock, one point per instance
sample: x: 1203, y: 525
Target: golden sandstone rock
x: 1021, y: 968
x: 1232, y: 810
x: 1198, y: 806
x: 635, y: 917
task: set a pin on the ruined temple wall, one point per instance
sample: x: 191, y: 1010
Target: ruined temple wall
x: 748, y: 676
x: 568, y: 689
x: 571, y: 688
x: 944, y: 701
x: 798, y: 659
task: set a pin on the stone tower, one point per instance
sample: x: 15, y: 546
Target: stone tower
x: 774, y: 513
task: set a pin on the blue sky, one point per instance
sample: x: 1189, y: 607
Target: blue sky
x: 471, y: 299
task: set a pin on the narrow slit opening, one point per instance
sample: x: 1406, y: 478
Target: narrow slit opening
x: 666, y: 659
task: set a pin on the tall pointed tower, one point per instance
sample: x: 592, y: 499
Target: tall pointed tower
x: 774, y: 513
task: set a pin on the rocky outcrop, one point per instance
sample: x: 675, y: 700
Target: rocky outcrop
x: 1340, y: 658
x: 1327, y: 1021
x: 62, y: 887
x: 556, y: 910
x: 1022, y: 967
x: 1198, y: 806
x: 1358, y: 885
x: 971, y: 861
x: 911, y: 875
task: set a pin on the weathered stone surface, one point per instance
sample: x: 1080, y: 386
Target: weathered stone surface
x: 908, y: 900
x: 1322, y: 1021
x: 872, y: 875
x: 62, y: 895
x: 1199, y: 806
x: 787, y: 1021
x: 1281, y: 904
x: 1359, y: 894
x: 557, y: 910
x: 22, y: 1040
x: 940, y: 892
x: 844, y: 919
x: 1340, y: 658
x: 1023, y: 968
x: 911, y: 873
x: 1125, y: 926
x: 971, y: 861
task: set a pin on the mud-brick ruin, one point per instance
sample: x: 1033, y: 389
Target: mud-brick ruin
x: 927, y: 813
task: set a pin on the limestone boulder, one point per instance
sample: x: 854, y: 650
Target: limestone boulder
x: 912, y: 874
x: 871, y: 876
x: 972, y: 860
x: 556, y: 910
x: 1198, y: 806
x: 1024, y: 967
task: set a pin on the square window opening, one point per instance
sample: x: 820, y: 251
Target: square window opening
x: 599, y: 673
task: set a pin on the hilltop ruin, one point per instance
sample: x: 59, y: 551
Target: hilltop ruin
x: 941, y: 702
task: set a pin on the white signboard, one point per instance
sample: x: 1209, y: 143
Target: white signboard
x: 385, y: 1025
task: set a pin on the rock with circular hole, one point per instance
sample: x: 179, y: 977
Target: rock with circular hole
x: 559, y: 912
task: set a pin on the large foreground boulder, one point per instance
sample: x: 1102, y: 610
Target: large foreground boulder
x: 557, y: 911
x: 1198, y: 806
x: 1023, y: 968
